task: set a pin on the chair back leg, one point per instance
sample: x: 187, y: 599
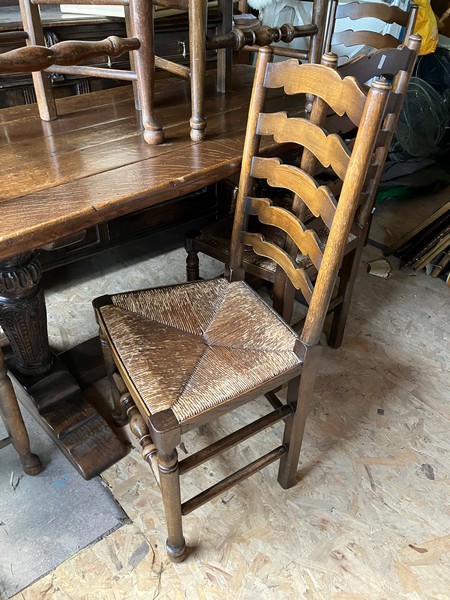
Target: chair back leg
x: 41, y: 80
x: 300, y: 393
x: 169, y: 477
x: 141, y: 17
x: 197, y: 49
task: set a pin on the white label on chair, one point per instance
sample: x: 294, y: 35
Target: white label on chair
x: 381, y: 63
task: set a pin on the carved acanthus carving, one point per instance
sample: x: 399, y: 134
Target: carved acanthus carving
x: 19, y: 275
x: 22, y: 313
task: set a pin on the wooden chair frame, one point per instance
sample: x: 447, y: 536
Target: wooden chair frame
x: 159, y: 427
x: 396, y: 64
x: 64, y: 58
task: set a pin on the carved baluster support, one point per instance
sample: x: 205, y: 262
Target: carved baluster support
x: 23, y: 315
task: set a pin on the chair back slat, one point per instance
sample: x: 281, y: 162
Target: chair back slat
x: 351, y: 166
x: 330, y: 150
x: 351, y: 38
x: 318, y: 199
x: 385, y: 62
x: 305, y: 239
x: 298, y: 277
x: 341, y: 95
x: 364, y: 10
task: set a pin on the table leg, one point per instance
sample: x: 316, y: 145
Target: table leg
x: 47, y: 388
x: 10, y: 412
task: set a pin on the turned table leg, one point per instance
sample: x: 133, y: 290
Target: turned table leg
x: 10, y: 412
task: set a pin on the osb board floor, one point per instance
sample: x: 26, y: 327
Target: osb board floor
x: 369, y: 517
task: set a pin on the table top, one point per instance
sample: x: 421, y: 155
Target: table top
x: 92, y: 164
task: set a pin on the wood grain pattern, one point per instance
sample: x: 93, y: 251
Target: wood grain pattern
x: 307, y: 240
x: 337, y: 90
x: 76, y: 157
x: 330, y: 150
x: 297, y: 276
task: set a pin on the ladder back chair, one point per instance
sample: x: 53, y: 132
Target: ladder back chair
x: 214, y: 240
x: 182, y: 355
x: 64, y: 57
x: 377, y: 12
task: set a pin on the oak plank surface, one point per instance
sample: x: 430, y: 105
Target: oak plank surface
x: 92, y: 165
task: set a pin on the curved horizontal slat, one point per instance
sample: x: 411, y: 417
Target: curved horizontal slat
x: 319, y: 199
x: 364, y: 38
x: 306, y: 240
x: 329, y: 149
x: 38, y: 58
x: 372, y: 10
x: 342, y: 95
x: 298, y: 277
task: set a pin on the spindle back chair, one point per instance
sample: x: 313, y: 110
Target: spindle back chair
x: 180, y: 356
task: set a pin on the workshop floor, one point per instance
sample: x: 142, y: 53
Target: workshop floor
x: 369, y: 517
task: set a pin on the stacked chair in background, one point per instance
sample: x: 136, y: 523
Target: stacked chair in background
x: 67, y: 58
x: 384, y: 15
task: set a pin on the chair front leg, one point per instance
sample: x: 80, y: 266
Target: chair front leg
x: 170, y: 489
x: 192, y: 261
x: 141, y: 25
x: 119, y: 414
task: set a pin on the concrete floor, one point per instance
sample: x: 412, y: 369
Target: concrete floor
x: 369, y: 516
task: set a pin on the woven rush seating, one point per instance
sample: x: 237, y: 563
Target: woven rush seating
x: 235, y: 342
